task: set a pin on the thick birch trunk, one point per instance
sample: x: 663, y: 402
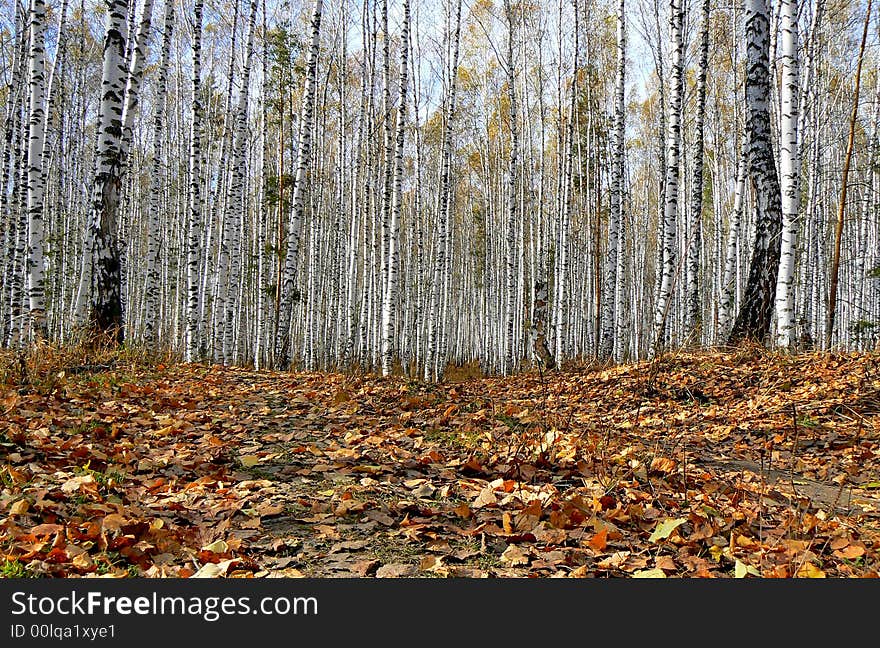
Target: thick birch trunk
x: 755, y: 313
x: 104, y: 254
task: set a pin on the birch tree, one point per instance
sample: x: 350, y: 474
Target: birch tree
x: 611, y: 279
x: 434, y: 361
x: 841, y: 207
x: 154, y: 235
x: 35, y: 177
x: 294, y: 227
x: 104, y: 252
x: 693, y: 319
x: 389, y: 302
x: 755, y: 313
x: 789, y: 171
x: 193, y: 237
x: 511, y: 318
x: 672, y: 171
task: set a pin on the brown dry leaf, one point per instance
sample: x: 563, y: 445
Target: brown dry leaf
x: 581, y: 572
x: 514, y: 556
x: 396, y: 570
x: 380, y: 517
x: 851, y: 552
x: 270, y: 510
x: 432, y: 564
x: 485, y: 498
x: 327, y: 531
x: 364, y: 567
x: 663, y: 465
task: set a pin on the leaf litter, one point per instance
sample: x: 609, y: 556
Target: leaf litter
x: 741, y: 465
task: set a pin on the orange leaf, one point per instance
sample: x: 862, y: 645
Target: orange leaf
x: 463, y: 511
x: 600, y: 540
x: 505, y: 523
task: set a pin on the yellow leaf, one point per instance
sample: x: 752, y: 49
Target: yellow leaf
x: 809, y: 570
x: 249, y: 461
x: 665, y: 528
x: 218, y: 546
x: 741, y: 570
x: 650, y: 573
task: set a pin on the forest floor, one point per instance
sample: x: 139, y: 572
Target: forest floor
x: 694, y: 465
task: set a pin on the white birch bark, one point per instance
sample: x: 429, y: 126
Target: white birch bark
x: 510, y: 313
x: 435, y: 362
x: 35, y: 177
x: 756, y: 310
x: 618, y: 152
x: 693, y: 309
x: 389, y: 303
x: 672, y: 171
x: 727, y: 305
x: 789, y: 171
x: 193, y: 243
x: 230, y: 257
x: 135, y: 76
x: 105, y: 311
x: 294, y: 229
x: 154, y: 235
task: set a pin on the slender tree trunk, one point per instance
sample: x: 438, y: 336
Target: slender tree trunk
x: 35, y: 176
x: 790, y: 171
x: 193, y: 238
x: 154, y: 235
x: 511, y: 315
x: 230, y: 257
x: 289, y: 292
x: 618, y: 152
x: 434, y: 363
x: 693, y: 316
x: 672, y: 172
x: 728, y: 277
x: 389, y: 304
x: 841, y: 207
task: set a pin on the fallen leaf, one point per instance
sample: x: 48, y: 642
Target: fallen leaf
x: 650, y: 573
x: 665, y: 528
x: 217, y: 547
x: 599, y: 540
x: 396, y: 570
x: 809, y: 570
x: 741, y: 570
x: 514, y: 556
